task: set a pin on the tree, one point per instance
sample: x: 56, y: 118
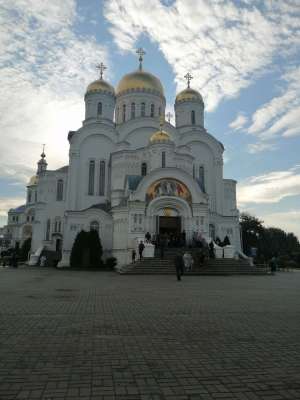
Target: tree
x: 86, y: 250
x: 95, y: 249
x: 252, y: 229
x: 25, y: 249
x: 268, y: 241
x: 79, y: 250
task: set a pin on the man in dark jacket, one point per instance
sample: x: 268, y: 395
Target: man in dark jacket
x: 141, y: 249
x: 178, y: 261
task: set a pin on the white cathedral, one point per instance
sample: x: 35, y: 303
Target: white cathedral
x: 130, y: 172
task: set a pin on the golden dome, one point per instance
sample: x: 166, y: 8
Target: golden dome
x: 100, y: 86
x: 33, y: 180
x: 160, y: 137
x: 189, y: 94
x: 140, y: 80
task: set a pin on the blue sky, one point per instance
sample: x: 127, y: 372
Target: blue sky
x: 244, y: 56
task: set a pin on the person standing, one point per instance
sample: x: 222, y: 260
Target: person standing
x: 178, y: 261
x: 141, y: 249
x: 133, y: 256
x: 148, y: 237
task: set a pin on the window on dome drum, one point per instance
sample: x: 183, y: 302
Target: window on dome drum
x: 29, y: 196
x: 99, y: 109
x: 193, y: 117
x: 152, y: 111
x: 59, y: 190
x: 159, y: 111
x: 143, y: 109
x: 35, y: 196
x: 144, y: 169
x: 194, y: 172
x: 202, y: 178
x: 102, y: 178
x: 124, y: 113
x: 48, y: 225
x: 91, y: 177
x: 163, y: 159
x: 94, y: 226
x: 132, y: 110
x: 117, y: 114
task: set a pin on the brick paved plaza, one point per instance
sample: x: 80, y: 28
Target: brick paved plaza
x: 84, y: 335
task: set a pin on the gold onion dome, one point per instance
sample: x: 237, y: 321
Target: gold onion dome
x: 189, y: 94
x: 100, y: 86
x: 140, y: 80
x: 33, y: 180
x: 160, y: 137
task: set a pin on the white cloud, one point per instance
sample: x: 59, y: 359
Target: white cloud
x: 281, y: 115
x: 239, y: 122
x: 224, y: 45
x: 261, y: 146
x: 45, y: 69
x: 9, y: 202
x: 269, y: 188
x: 289, y: 221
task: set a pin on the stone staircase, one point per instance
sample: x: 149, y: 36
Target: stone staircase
x: 165, y: 266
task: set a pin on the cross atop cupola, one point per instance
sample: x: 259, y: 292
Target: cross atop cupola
x: 188, y: 77
x: 101, y: 67
x: 140, y: 51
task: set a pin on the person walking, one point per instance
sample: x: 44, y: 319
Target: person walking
x: 187, y: 261
x: 141, y: 249
x: 273, y: 264
x: 133, y: 256
x: 178, y: 261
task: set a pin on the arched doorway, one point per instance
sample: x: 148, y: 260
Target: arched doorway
x: 171, y: 215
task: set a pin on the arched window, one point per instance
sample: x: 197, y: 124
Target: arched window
x: 57, y: 225
x: 132, y: 110
x: 202, y: 178
x: 159, y: 111
x: 29, y: 196
x: 99, y: 109
x: 194, y: 173
x: 94, y: 226
x: 144, y: 169
x: 59, y: 190
x: 35, y: 196
x: 163, y: 159
x: 91, y: 177
x: 152, y: 111
x: 124, y: 113
x: 48, y: 226
x: 193, y: 117
x: 143, y: 109
x: 102, y: 178
x: 118, y: 114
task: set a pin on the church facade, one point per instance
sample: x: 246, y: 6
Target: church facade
x: 130, y: 172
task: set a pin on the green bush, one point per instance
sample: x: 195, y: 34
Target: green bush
x: 110, y: 262
x: 25, y: 249
x: 86, y: 251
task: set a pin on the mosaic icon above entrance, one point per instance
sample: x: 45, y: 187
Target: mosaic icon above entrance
x: 168, y: 187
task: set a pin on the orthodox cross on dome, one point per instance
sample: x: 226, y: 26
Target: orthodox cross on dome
x: 140, y: 51
x: 101, y: 68
x: 169, y: 115
x: 43, y: 155
x: 188, y: 77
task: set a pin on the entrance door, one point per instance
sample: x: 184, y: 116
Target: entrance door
x: 170, y: 225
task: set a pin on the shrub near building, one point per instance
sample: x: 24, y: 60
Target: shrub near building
x: 87, y: 251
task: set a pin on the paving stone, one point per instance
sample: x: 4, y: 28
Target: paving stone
x: 68, y: 335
